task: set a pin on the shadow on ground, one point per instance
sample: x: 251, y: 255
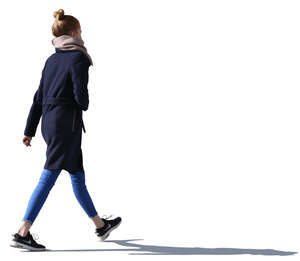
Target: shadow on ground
x: 140, y: 249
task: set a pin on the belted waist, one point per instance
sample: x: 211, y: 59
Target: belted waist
x: 62, y: 101
x: 58, y: 100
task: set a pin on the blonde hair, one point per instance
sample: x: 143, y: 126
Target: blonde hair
x: 64, y: 24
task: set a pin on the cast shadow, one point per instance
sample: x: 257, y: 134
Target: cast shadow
x: 140, y: 249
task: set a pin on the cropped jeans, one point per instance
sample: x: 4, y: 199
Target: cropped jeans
x: 45, y: 184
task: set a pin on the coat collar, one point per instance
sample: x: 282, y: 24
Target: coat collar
x: 57, y: 50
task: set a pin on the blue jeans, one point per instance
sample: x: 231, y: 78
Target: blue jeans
x: 45, y: 184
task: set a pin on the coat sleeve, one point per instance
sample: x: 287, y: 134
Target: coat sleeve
x: 36, y: 110
x: 79, y: 73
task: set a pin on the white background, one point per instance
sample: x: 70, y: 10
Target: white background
x: 192, y: 130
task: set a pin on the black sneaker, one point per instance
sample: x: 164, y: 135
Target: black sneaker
x: 26, y: 242
x: 109, y: 225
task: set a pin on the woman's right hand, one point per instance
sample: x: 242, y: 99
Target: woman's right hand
x: 27, y: 140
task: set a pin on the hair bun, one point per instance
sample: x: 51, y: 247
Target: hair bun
x: 59, y: 14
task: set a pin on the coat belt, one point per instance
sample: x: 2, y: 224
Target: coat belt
x: 60, y: 101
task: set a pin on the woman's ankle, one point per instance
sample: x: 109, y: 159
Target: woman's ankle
x: 23, y: 233
x: 99, y: 223
x: 24, y: 229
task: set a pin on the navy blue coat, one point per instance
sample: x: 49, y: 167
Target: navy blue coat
x: 61, y: 97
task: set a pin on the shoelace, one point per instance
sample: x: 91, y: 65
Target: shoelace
x: 106, y: 216
x: 34, y: 236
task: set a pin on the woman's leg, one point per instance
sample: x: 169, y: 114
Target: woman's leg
x: 37, y: 199
x: 83, y: 197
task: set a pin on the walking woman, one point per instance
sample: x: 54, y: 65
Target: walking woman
x: 61, y: 97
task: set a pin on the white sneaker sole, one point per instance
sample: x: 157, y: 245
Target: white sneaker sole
x: 20, y: 245
x: 13, y: 244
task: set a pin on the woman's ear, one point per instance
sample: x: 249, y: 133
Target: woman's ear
x: 75, y: 33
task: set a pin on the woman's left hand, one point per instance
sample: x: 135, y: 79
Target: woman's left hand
x: 27, y: 140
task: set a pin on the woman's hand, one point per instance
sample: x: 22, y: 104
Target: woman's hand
x: 27, y: 140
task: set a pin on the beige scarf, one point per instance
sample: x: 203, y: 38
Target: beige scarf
x: 69, y: 42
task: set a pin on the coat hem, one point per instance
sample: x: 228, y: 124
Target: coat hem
x: 69, y: 170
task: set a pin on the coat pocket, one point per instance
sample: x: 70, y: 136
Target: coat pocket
x: 74, y: 119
